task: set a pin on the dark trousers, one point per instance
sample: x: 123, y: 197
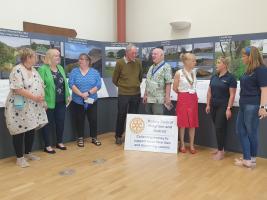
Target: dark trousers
x: 78, y: 115
x: 56, y: 119
x: 126, y: 104
x: 220, y: 122
x: 28, y: 138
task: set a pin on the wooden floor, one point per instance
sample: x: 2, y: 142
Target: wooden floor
x: 109, y: 172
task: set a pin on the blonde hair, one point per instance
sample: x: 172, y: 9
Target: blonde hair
x: 225, y: 60
x: 186, y: 56
x: 26, y: 53
x: 255, y: 58
x: 49, y: 56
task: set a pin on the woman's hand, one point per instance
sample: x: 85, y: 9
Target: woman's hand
x: 84, y: 95
x: 207, y: 109
x: 228, y: 113
x: 38, y: 98
x: 93, y: 90
x: 262, y: 113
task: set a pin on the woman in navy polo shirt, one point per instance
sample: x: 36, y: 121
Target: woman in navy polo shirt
x: 252, y: 104
x: 220, y: 99
x: 84, y: 82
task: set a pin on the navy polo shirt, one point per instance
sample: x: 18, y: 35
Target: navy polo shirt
x: 220, y: 88
x: 250, y: 85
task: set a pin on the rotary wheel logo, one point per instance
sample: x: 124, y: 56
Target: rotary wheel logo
x: 137, y: 125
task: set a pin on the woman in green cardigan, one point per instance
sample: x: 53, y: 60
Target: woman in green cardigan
x: 57, y: 96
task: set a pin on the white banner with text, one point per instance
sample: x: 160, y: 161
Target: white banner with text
x: 156, y: 133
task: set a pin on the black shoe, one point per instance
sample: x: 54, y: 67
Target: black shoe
x: 51, y: 152
x: 118, y: 141
x: 96, y: 142
x: 61, y: 148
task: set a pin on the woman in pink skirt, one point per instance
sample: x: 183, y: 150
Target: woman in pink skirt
x: 187, y: 105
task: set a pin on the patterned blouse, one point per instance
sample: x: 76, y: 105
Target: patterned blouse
x: 33, y: 114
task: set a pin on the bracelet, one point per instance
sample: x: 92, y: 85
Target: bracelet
x: 230, y: 108
x: 89, y: 93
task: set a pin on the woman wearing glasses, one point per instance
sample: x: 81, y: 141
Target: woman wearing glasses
x: 84, y: 82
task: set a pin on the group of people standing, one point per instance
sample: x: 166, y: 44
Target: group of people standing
x: 38, y: 99
x: 220, y: 97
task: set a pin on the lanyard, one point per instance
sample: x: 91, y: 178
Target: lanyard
x: 153, y: 72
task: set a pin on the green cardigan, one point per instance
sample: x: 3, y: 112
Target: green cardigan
x: 50, y: 92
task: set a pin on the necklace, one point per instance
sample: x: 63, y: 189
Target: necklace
x: 187, y: 78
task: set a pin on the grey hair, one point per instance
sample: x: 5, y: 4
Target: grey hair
x: 159, y: 50
x: 130, y: 46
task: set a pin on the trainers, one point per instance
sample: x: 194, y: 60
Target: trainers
x: 244, y: 163
x: 30, y: 156
x: 22, y: 162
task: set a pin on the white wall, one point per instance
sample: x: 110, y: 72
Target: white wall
x: 92, y: 19
x: 148, y: 20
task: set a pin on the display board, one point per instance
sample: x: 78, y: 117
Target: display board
x: 105, y: 54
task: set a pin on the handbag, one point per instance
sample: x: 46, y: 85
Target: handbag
x: 19, y: 102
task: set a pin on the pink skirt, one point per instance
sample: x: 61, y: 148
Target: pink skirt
x: 187, y: 110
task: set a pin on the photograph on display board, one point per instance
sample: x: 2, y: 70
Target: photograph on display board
x: 170, y: 53
x: 173, y: 65
x: 9, y: 49
x: 41, y: 47
x: 262, y: 46
x: 204, y: 53
x: 111, y: 55
x: 73, y: 50
x: 233, y: 50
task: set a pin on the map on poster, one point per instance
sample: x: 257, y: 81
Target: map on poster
x: 155, y: 133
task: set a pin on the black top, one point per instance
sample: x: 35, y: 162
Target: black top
x: 220, y: 88
x: 250, y: 85
x: 59, y: 86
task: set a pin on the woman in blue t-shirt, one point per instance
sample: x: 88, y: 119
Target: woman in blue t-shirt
x: 220, y: 99
x: 84, y: 82
x: 252, y: 105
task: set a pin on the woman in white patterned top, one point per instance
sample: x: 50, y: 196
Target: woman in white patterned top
x: 23, y: 119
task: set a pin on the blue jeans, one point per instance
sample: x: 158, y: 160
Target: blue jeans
x: 247, y: 127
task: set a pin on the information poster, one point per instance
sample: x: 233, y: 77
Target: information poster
x: 155, y: 133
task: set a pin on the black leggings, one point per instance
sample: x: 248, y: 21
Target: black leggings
x: 78, y: 115
x: 18, y: 142
x: 220, y: 122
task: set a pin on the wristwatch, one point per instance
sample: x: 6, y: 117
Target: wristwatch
x: 263, y: 106
x: 89, y: 93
